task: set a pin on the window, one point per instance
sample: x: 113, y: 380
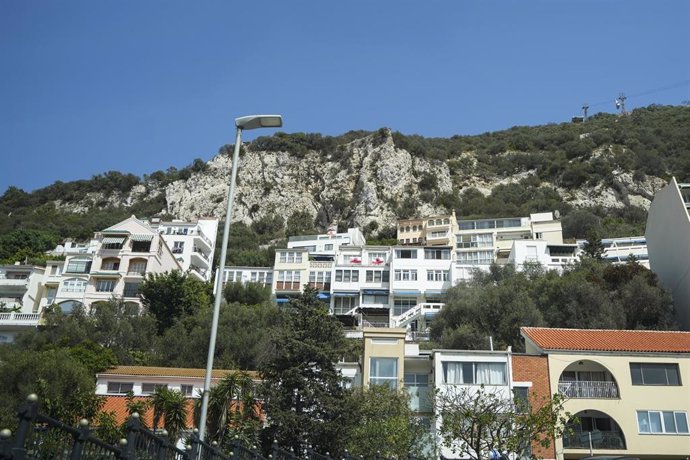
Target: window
x: 116, y: 246
x: 347, y: 276
x: 131, y: 290
x: 406, y: 253
x: 476, y: 257
x: 405, y: 275
x: 120, y: 387
x: 383, y: 371
x: 137, y: 266
x: 290, y: 257
x: 342, y: 305
x: 377, y: 276
x: 288, y: 275
x: 78, y: 266
x: 151, y: 387
x: 377, y: 258
x: 437, y: 275
x: 402, y: 304
x: 141, y: 246
x: 471, y: 373
x: 74, y: 285
x: 654, y: 374
x: 178, y: 247
x: 110, y: 264
x: 438, y: 254
x: 187, y: 390
x: 105, y: 285
x: 328, y: 247
x: 375, y: 299
x: 670, y: 422
x: 531, y: 254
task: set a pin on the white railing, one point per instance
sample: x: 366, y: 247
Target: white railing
x: 19, y: 319
x: 418, y: 310
x: 591, y: 389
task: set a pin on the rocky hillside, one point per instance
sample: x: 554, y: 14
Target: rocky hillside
x: 608, y: 167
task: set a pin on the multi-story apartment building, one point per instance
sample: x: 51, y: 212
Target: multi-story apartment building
x: 20, y: 294
x: 192, y: 243
x: 619, y: 250
x: 327, y: 244
x: 627, y: 389
x: 668, y: 240
x: 290, y: 273
x: 428, y: 231
x: 261, y: 275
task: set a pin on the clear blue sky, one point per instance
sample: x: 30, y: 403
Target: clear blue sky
x: 137, y: 86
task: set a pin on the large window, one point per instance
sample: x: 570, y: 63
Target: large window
x: 110, y: 264
x: 131, y: 290
x: 380, y: 299
x: 439, y: 254
x: 406, y: 275
x: 480, y: 240
x: 402, y: 304
x: 377, y: 258
x: 78, y: 266
x: 141, y: 246
x: 405, y: 253
x: 137, y: 266
x: 669, y: 422
x: 654, y: 374
x: 347, y: 276
x: 377, y: 276
x: 120, y: 387
x: 342, y: 305
x: 476, y: 257
x: 74, y: 285
x: 105, y: 285
x: 437, y: 275
x: 384, y: 371
x: 471, y: 373
x: 148, y: 388
x: 291, y: 257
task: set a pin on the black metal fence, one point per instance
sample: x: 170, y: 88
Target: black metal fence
x: 39, y: 437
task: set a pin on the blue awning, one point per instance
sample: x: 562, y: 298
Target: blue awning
x: 434, y: 292
x: 282, y: 300
x: 412, y: 293
x: 375, y: 291
x: 324, y: 295
x: 346, y: 294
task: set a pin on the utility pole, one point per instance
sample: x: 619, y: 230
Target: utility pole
x: 585, y: 107
x: 620, y: 103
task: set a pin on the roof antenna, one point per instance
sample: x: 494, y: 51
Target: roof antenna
x: 620, y: 103
x: 585, y: 107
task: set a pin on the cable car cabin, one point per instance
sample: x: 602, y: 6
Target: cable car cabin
x: 577, y: 119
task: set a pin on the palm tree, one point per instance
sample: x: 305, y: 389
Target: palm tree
x: 170, y: 406
x: 233, y: 409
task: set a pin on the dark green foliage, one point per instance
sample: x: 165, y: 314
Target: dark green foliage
x: 247, y: 294
x: 302, y: 392
x: 172, y: 296
x: 300, y: 223
x: 19, y: 245
x: 592, y: 295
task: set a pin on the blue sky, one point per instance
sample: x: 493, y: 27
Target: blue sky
x: 137, y: 86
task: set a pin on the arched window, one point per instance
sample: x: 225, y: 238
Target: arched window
x: 110, y: 263
x: 68, y: 306
x: 137, y: 267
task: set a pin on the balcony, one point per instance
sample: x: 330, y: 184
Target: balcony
x: 613, y: 440
x: 591, y: 389
x: 288, y: 286
x: 19, y: 319
x: 203, y: 239
x: 199, y: 258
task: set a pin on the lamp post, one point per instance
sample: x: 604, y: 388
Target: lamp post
x: 242, y: 123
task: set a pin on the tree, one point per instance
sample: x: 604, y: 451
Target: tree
x: 476, y: 421
x: 247, y: 293
x: 173, y: 295
x: 302, y: 392
x: 66, y: 389
x: 170, y: 406
x: 300, y: 223
x: 593, y: 247
x: 384, y: 424
x: 233, y: 411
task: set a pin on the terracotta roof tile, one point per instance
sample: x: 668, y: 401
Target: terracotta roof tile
x: 608, y: 340
x: 152, y: 371
x: 118, y: 406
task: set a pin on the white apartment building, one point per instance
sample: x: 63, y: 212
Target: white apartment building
x: 192, y: 243
x: 668, y: 240
x: 20, y: 293
x: 261, y: 275
x: 618, y: 250
x: 550, y: 256
x: 327, y: 244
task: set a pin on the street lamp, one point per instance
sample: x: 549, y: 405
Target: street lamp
x: 242, y: 123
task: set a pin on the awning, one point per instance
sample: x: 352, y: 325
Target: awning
x: 106, y: 274
x: 324, y: 295
x: 279, y: 300
x: 408, y: 293
x: 346, y: 294
x: 141, y: 237
x: 113, y: 240
x: 375, y: 291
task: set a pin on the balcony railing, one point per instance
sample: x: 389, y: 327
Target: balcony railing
x: 592, y: 389
x: 19, y: 319
x: 288, y: 286
x: 600, y: 440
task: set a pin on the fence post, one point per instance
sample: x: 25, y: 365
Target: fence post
x: 236, y: 447
x: 27, y: 414
x: 163, y: 446
x: 274, y: 449
x: 79, y: 439
x: 5, y: 444
x: 196, y: 445
x: 124, y: 453
x: 132, y: 428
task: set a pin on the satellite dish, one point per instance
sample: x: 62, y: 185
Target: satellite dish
x: 557, y: 214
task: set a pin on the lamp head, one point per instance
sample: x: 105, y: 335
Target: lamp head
x: 259, y: 121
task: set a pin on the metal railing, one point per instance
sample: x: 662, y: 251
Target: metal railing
x: 19, y: 319
x: 589, y: 389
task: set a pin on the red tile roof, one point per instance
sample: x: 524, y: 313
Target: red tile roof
x: 151, y: 371
x: 118, y: 406
x: 608, y: 340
